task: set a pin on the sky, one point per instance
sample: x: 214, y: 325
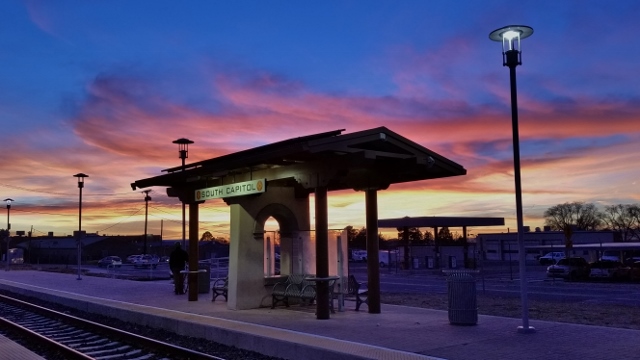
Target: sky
x: 104, y: 87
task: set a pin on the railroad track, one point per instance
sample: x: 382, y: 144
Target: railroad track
x: 77, y: 338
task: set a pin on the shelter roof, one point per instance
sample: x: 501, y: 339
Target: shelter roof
x: 370, y: 158
x: 439, y: 221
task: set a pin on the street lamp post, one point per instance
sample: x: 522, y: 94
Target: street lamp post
x: 8, y: 200
x: 183, y: 150
x: 147, y: 198
x: 510, y: 37
x: 80, y: 177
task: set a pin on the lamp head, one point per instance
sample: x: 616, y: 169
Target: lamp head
x: 510, y: 37
x: 183, y: 147
x: 8, y: 200
x: 80, y: 177
x: 146, y: 195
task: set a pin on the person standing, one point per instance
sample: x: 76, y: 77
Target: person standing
x: 177, y: 261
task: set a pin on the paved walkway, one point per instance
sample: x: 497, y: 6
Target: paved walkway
x: 397, y: 333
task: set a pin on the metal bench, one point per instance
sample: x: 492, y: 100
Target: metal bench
x: 294, y: 287
x: 356, y: 291
x: 220, y: 288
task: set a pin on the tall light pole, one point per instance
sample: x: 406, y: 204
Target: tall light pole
x: 80, y: 177
x: 183, y: 149
x: 510, y: 37
x: 8, y: 200
x: 147, y: 198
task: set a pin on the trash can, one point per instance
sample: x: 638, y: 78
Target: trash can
x: 204, y: 281
x: 416, y: 262
x: 462, y: 306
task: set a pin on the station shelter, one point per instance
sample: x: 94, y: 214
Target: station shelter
x: 276, y: 180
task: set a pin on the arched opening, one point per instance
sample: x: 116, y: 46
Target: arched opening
x: 271, y: 247
x: 278, y: 227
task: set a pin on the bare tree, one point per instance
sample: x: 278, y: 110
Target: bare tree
x: 584, y: 216
x: 564, y: 217
x: 207, y: 236
x: 624, y: 219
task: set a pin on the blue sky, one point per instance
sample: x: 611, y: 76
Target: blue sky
x: 103, y: 87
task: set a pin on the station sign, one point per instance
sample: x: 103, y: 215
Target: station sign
x: 237, y: 189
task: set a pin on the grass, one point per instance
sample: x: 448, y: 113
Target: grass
x: 586, y: 313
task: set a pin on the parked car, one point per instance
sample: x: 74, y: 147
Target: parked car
x: 110, y: 261
x: 551, y: 257
x: 572, y: 268
x: 132, y: 258
x: 611, y: 255
x: 634, y: 271
x: 632, y: 257
x: 146, y: 261
x: 359, y: 255
x: 611, y: 270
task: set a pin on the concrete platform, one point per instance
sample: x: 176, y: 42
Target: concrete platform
x: 10, y: 350
x: 399, y: 332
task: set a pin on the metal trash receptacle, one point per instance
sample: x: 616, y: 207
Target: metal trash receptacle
x: 462, y: 305
x: 204, y: 281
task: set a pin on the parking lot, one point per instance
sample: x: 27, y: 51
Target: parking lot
x: 504, y: 280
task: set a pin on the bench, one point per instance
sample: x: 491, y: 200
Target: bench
x: 356, y: 291
x: 294, y: 287
x: 220, y: 288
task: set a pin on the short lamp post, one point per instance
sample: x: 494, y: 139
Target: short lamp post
x: 80, y: 177
x: 8, y: 200
x: 183, y: 149
x: 147, y: 198
x: 510, y: 37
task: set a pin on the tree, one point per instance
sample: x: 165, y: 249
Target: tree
x: 359, y: 241
x: 221, y: 240
x: 624, y: 219
x: 565, y: 217
x: 414, y: 234
x: 207, y: 236
x: 444, y: 235
x: 408, y: 235
x: 582, y: 216
x: 351, y: 235
x: 427, y: 237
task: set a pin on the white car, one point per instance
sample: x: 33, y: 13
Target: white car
x: 146, y: 261
x: 110, y: 261
x: 359, y: 255
x: 551, y: 258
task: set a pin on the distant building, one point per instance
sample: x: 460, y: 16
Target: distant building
x: 504, y: 246
x: 63, y: 249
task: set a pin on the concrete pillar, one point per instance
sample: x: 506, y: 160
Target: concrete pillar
x: 322, y: 252
x: 373, y: 258
x: 246, y: 266
x: 248, y: 214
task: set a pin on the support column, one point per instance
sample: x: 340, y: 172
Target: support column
x: 436, y: 248
x: 465, y: 247
x: 322, y: 252
x: 373, y: 258
x: 405, y: 240
x: 193, y: 250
